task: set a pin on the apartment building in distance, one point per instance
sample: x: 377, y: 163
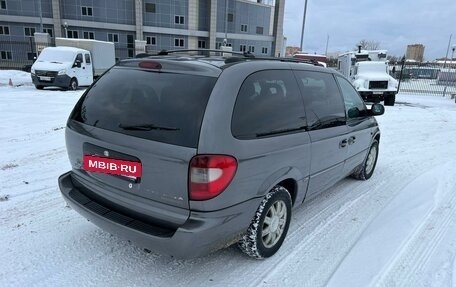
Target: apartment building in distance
x: 247, y: 25
x: 415, y: 52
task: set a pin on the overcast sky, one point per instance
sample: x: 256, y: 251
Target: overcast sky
x: 392, y: 23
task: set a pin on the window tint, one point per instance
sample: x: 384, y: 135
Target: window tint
x: 268, y: 104
x: 87, y: 58
x: 79, y: 58
x: 322, y: 99
x: 351, y: 97
x: 163, y: 107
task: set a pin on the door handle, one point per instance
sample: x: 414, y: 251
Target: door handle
x: 351, y: 140
x: 343, y: 143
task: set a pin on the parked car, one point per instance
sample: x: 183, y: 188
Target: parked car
x: 186, y: 154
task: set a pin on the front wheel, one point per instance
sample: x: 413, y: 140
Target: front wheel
x: 269, y: 226
x: 390, y: 100
x: 73, y: 84
x: 366, y: 169
x: 39, y: 87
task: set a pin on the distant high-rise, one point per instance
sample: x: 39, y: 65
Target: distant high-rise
x: 415, y: 52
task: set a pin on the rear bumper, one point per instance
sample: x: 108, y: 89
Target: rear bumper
x: 202, y: 233
x: 62, y: 81
x: 376, y: 97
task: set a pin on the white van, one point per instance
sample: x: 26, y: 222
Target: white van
x: 64, y: 67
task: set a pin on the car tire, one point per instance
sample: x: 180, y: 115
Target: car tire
x: 390, y: 100
x: 73, y: 84
x: 366, y: 169
x: 269, y: 226
x: 38, y: 87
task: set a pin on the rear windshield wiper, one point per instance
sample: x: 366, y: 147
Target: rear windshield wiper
x: 146, y: 127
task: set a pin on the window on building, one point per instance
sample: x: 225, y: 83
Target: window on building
x: 130, y: 41
x: 151, y: 40
x: 3, y: 4
x: 243, y: 27
x: 72, y: 34
x: 86, y: 11
x: 4, y: 30
x: 6, y: 55
x: 252, y: 49
x: 230, y: 17
x: 29, y: 31
x: 113, y: 37
x: 259, y: 30
x: 49, y: 31
x: 264, y: 50
x: 150, y: 7
x: 31, y: 56
x: 201, y: 44
x: 131, y: 53
x: 218, y: 45
x: 242, y: 48
x: 179, y: 42
x: 88, y: 35
x: 179, y: 19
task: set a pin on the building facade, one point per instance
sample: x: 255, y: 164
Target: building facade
x: 415, y: 52
x: 247, y: 25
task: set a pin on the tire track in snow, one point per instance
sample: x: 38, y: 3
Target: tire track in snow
x: 407, y: 267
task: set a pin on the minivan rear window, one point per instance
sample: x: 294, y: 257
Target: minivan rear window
x: 159, y: 106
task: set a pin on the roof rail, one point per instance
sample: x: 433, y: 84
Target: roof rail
x: 290, y: 60
x: 167, y: 52
x: 245, y: 56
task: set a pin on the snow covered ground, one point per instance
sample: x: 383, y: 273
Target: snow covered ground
x: 397, y: 229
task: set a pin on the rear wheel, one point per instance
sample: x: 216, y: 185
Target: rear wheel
x: 269, y: 226
x: 73, y: 84
x: 366, y: 169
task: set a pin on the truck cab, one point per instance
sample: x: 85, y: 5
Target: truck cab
x: 373, y: 83
x: 64, y: 67
x: 368, y: 72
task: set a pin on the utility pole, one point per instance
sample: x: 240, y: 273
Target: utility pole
x: 444, y: 65
x: 303, y: 25
x: 327, y: 42
x: 41, y: 16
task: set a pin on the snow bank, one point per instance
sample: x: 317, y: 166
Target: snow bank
x: 17, y: 77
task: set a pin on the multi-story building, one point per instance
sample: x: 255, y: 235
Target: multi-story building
x: 415, y: 52
x: 255, y: 26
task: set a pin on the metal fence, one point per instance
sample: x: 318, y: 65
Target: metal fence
x: 20, y: 55
x: 425, y: 78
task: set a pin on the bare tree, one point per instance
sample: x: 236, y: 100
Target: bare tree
x: 368, y: 45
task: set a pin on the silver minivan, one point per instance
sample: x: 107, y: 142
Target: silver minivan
x: 187, y: 154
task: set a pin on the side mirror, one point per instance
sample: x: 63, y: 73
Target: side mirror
x: 377, y: 110
x: 353, y: 113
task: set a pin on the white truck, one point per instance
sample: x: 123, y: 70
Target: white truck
x: 369, y: 74
x: 72, y: 63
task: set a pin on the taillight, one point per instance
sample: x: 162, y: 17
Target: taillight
x: 209, y: 175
